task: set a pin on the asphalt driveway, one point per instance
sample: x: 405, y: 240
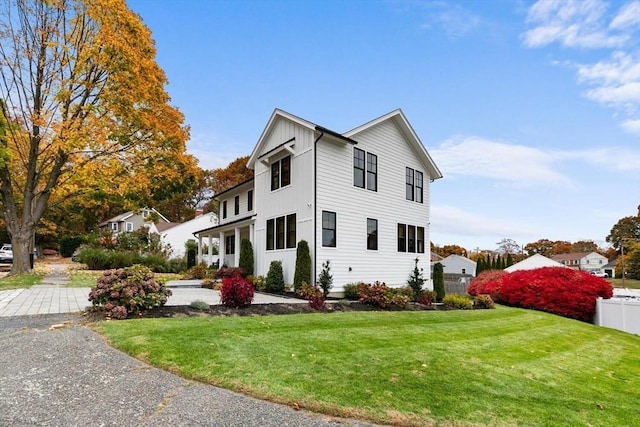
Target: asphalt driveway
x: 70, y: 377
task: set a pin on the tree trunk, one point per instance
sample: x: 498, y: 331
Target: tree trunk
x: 21, y: 243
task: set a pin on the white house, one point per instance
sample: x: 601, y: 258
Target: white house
x: 360, y: 199
x: 587, y: 261
x: 133, y: 220
x: 176, y: 235
x: 456, y: 264
x: 533, y: 262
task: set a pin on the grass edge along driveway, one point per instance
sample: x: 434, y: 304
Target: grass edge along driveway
x: 487, y: 367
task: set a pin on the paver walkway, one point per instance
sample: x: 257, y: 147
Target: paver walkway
x: 51, y: 297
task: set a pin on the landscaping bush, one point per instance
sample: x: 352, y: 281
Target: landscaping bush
x: 314, y: 295
x: 246, y: 257
x: 230, y: 272
x: 488, y: 282
x: 236, y: 292
x: 483, y: 301
x: 275, y: 277
x: 199, y: 305
x: 325, y: 278
x: 68, y: 245
x: 381, y: 296
x: 351, y: 291
x: 125, y: 291
x: 416, y: 281
x: 563, y: 291
x: 200, y: 271
x: 426, y: 298
x: 303, y: 265
x: 258, y: 283
x: 107, y: 259
x: 460, y: 302
x: 438, y: 281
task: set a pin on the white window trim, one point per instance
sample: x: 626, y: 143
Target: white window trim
x: 128, y: 227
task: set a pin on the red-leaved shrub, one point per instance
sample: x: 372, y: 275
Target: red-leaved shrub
x: 313, y: 294
x: 563, y: 291
x: 487, y: 282
x: 236, y: 292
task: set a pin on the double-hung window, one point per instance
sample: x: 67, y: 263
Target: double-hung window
x: 414, y: 185
x: 328, y: 229
x: 420, y: 240
x: 365, y: 162
x: 281, y: 173
x: 409, y: 183
x: 402, y: 238
x: 224, y: 209
x: 419, y: 184
x: 410, y: 238
x: 281, y: 232
x: 236, y: 205
x: 411, y: 241
x: 250, y: 200
x: 372, y: 234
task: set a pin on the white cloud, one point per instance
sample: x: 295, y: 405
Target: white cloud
x: 573, y: 23
x: 517, y: 164
x: 628, y: 16
x: 453, y: 220
x: 632, y: 126
x: 615, y: 158
x: 454, y: 20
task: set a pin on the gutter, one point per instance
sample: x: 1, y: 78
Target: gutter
x: 315, y: 200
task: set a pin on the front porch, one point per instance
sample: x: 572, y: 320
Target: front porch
x: 229, y: 237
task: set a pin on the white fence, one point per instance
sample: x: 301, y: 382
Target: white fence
x: 619, y: 313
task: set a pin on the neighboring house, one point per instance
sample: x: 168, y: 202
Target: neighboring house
x: 435, y: 257
x: 610, y: 268
x: 456, y: 264
x: 175, y: 235
x: 587, y: 261
x: 533, y: 262
x: 132, y: 220
x: 360, y: 199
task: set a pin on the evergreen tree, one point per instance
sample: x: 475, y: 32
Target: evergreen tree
x: 416, y: 281
x: 498, y: 263
x: 275, y: 277
x: 246, y: 257
x: 509, y: 260
x: 303, y: 265
x: 438, y: 281
x: 480, y: 265
x: 326, y: 278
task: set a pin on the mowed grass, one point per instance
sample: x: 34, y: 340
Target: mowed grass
x: 628, y: 283
x: 486, y: 367
x: 20, y: 281
x: 89, y: 278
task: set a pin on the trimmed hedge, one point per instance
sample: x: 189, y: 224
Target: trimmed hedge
x: 563, y: 291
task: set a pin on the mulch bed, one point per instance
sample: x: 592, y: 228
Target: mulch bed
x: 259, y: 310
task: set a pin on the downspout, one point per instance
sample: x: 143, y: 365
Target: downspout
x: 315, y: 205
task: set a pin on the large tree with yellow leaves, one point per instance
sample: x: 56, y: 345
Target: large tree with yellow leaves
x: 83, y: 108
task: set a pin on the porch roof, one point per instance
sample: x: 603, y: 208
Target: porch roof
x: 210, y: 230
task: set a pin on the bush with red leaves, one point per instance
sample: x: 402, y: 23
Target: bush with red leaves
x: 563, y: 291
x: 487, y: 282
x: 236, y: 292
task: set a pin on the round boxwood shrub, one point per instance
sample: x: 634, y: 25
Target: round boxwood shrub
x: 126, y: 291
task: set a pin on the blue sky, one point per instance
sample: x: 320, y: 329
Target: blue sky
x: 530, y: 109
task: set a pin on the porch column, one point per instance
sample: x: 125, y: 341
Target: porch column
x: 221, y: 249
x: 236, y: 255
x: 251, y: 231
x: 199, y: 248
x: 210, y: 256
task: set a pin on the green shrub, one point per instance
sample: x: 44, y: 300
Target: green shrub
x: 325, y: 278
x: 199, y: 305
x: 483, y: 301
x: 125, y: 291
x: 303, y: 265
x: 460, y: 302
x: 258, y: 283
x: 438, y: 281
x: 416, y: 281
x: 275, y: 277
x: 246, y: 257
x: 351, y: 291
x: 200, y: 271
x: 68, y: 245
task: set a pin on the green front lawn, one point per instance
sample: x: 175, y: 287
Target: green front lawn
x: 628, y: 283
x: 20, y: 281
x: 486, y: 367
x: 88, y: 278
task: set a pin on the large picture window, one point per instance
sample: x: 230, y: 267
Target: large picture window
x: 328, y: 229
x: 281, y: 173
x: 281, y: 232
x: 372, y: 234
x: 358, y: 167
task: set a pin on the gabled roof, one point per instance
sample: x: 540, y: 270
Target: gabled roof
x: 533, y: 262
x: 230, y: 189
x: 398, y: 117
x: 572, y: 256
x: 164, y: 226
x: 454, y: 257
x: 127, y: 215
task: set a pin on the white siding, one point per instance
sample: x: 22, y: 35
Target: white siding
x: 295, y: 198
x: 229, y: 197
x: 351, y: 261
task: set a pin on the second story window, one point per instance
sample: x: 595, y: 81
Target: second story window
x: 281, y: 173
x: 372, y: 172
x: 419, y: 194
x: 358, y: 167
x: 236, y: 205
x: 409, y: 184
x: 360, y: 179
x: 224, y: 209
x: 414, y: 185
x: 250, y: 200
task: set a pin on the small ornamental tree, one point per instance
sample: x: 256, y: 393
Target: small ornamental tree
x: 438, y: 281
x: 125, y: 291
x: 246, y: 257
x: 236, y: 292
x: 326, y: 278
x: 275, y: 277
x: 303, y: 265
x: 416, y: 281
